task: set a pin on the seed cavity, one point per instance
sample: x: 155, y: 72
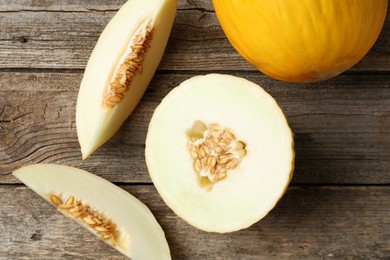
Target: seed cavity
x: 129, y: 67
x: 102, y: 225
x: 215, y: 150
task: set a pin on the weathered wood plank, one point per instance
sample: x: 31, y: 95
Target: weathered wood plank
x: 87, y: 6
x: 342, y: 126
x: 66, y: 32
x: 308, y: 223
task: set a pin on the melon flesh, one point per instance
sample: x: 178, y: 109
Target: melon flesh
x: 95, y: 124
x: 139, y: 234
x: 249, y: 191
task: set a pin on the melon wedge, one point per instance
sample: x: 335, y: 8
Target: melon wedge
x: 120, y: 68
x: 107, y: 211
x: 220, y: 152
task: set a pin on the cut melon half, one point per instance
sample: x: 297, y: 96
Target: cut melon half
x: 107, y: 211
x: 120, y: 68
x: 220, y: 152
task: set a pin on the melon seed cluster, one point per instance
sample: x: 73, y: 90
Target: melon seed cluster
x: 74, y: 208
x: 215, y: 151
x: 132, y: 63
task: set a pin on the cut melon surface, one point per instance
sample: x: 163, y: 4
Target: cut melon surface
x: 220, y: 152
x: 107, y: 211
x: 120, y: 68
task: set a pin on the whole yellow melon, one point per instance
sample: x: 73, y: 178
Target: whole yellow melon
x: 305, y: 40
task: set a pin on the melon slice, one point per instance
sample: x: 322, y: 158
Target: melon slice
x: 120, y: 68
x: 220, y: 152
x: 98, y: 205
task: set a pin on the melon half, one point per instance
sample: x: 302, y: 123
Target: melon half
x: 107, y: 211
x: 220, y: 152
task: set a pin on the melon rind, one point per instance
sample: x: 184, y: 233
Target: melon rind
x: 306, y: 42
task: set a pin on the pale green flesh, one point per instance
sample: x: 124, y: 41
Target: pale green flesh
x: 141, y: 237
x: 95, y: 125
x: 249, y: 192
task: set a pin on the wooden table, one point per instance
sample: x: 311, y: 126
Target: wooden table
x: 336, y: 207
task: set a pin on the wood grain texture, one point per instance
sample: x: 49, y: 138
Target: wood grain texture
x: 66, y: 32
x: 341, y: 126
x: 308, y: 223
x: 87, y: 6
